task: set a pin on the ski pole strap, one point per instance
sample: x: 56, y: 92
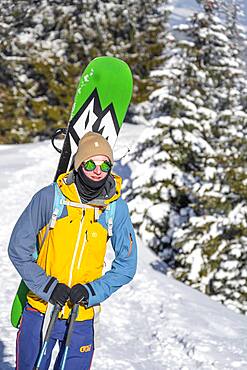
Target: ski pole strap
x: 72, y: 319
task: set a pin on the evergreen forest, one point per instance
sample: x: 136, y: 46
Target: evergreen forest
x: 188, y: 190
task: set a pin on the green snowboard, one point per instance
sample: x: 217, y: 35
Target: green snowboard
x: 100, y: 105
x: 101, y: 102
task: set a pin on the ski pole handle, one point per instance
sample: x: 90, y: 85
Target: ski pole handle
x: 73, y: 317
x: 54, y: 317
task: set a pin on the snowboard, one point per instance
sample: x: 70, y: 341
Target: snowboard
x: 101, y: 102
x: 100, y: 105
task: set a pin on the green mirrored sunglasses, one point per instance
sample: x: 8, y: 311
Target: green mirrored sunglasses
x: 90, y: 166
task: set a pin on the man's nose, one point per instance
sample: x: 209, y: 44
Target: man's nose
x: 97, y: 170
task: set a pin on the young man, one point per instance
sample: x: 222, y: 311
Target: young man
x: 71, y: 255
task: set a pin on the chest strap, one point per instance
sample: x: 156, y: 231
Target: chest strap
x: 75, y: 204
x: 60, y: 201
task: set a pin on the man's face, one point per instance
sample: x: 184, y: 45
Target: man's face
x: 97, y: 174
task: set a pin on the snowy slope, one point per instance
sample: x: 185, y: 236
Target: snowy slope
x: 184, y: 9
x: 153, y: 323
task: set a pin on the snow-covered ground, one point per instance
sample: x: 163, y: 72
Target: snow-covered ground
x: 184, y: 9
x: 153, y: 323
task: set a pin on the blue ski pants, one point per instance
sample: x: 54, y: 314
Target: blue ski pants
x: 29, y: 342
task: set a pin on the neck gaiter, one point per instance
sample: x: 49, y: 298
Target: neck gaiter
x: 87, y: 188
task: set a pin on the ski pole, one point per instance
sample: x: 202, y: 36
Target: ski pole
x: 53, y: 319
x: 72, y: 319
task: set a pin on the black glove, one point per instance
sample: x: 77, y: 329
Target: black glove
x: 79, y: 294
x: 60, y: 294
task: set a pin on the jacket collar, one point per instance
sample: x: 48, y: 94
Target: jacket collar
x: 69, y: 190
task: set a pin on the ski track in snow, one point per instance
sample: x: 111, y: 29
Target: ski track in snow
x: 154, y: 322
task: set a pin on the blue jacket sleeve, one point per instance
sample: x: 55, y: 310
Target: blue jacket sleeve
x: 22, y: 245
x: 124, y: 265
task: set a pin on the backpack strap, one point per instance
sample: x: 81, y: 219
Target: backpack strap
x: 109, y: 216
x: 58, y: 205
x: 57, y: 211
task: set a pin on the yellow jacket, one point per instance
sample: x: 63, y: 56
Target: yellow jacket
x: 74, y: 251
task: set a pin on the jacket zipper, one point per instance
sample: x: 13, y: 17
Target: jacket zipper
x: 76, y: 250
x: 82, y: 250
x: 130, y: 247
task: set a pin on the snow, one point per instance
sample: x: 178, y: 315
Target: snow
x: 155, y: 322
x: 196, y: 261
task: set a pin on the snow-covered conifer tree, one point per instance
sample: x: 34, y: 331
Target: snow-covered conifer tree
x: 192, y: 201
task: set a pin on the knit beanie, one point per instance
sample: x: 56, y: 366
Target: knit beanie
x: 92, y: 144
